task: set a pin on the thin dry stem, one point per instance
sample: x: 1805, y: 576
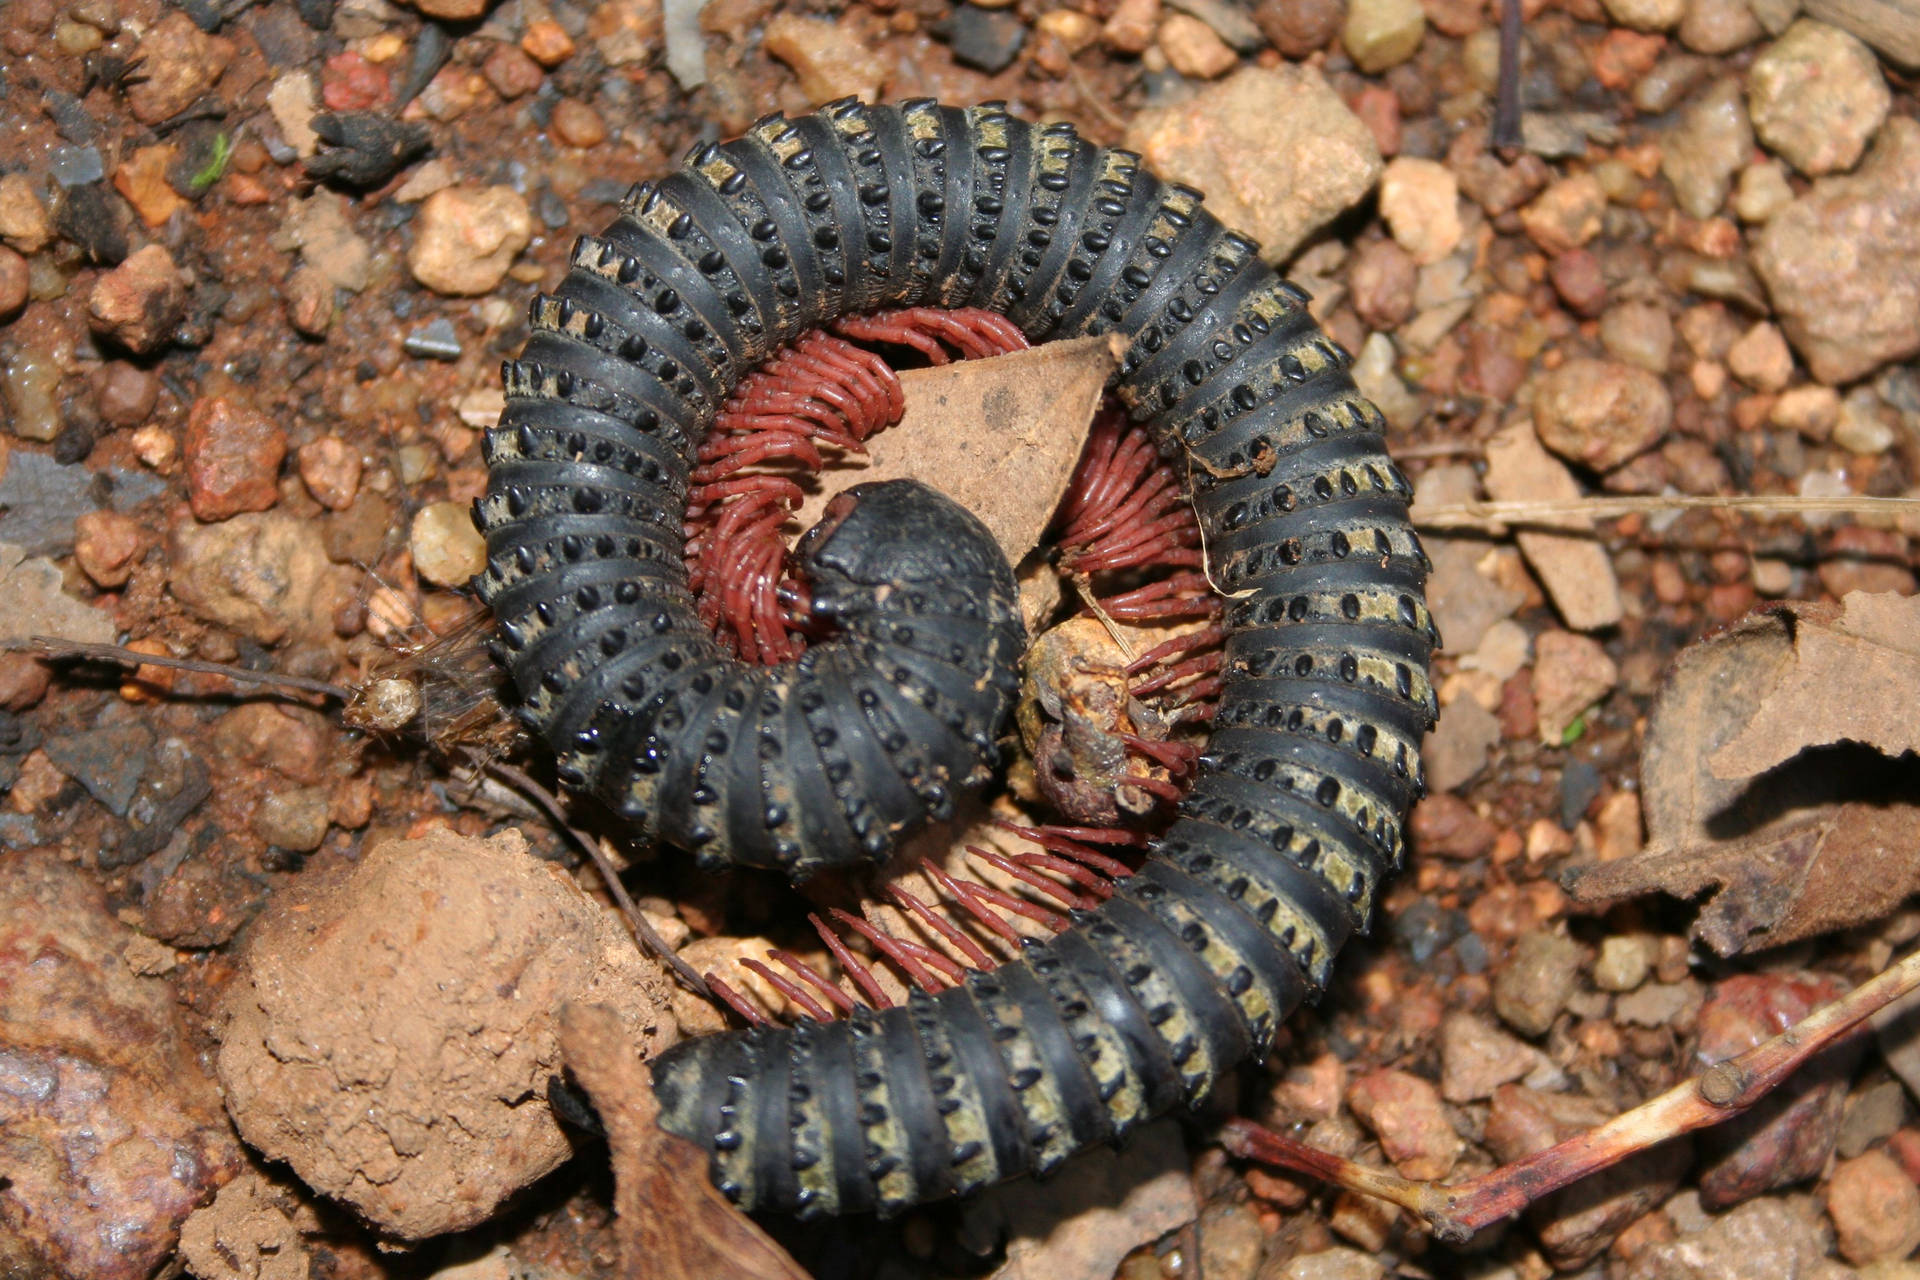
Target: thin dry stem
x: 1567, y: 516
x: 1456, y: 1212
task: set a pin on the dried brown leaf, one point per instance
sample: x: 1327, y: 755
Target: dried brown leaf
x: 1000, y: 436
x: 1855, y: 677
x: 1809, y: 847
x: 671, y: 1223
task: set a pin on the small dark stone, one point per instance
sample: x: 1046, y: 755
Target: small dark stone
x: 317, y: 14
x: 363, y: 149
x: 434, y: 341
x: 109, y: 763
x: 91, y: 217
x: 76, y: 166
x: 986, y: 39
x: 1424, y: 929
x: 70, y: 119
x: 1579, y: 786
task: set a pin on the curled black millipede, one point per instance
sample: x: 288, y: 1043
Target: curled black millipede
x: 1296, y: 813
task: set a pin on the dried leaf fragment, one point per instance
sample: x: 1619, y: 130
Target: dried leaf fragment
x: 1817, y: 842
x: 1855, y: 677
x: 999, y: 435
x: 671, y: 1223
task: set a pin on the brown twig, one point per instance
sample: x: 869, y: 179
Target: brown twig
x: 1565, y: 516
x: 120, y: 655
x: 1456, y: 1212
x: 557, y: 814
x: 1505, y: 135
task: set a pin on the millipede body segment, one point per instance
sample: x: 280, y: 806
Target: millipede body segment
x: 1295, y: 815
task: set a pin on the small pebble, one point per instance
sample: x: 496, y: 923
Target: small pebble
x: 330, y: 469
x: 1278, y: 152
x: 1570, y: 673
x: 1647, y: 15
x: 1710, y: 143
x: 1817, y: 97
x: 124, y: 393
x: 1599, y: 413
x: 295, y: 820
x: 466, y: 237
x: 1420, y: 200
x: 1567, y: 214
x: 1654, y: 1004
x: 178, y: 63
x: 1640, y: 334
x: 105, y: 545
x: 1579, y: 280
x: 831, y: 61
x: 435, y: 340
x: 1338, y: 1263
x: 1405, y: 1113
x: 1842, y: 263
x: 511, y: 72
x: 1230, y: 1241
x: 233, y: 456
x: 447, y: 549
x: 309, y: 302
x: 1670, y: 81
x: 24, y: 221
x: 1193, y: 48
x: 1533, y: 986
x: 1761, y: 358
x: 1298, y: 28
x: 1381, y: 280
x: 1873, y: 1115
x: 1719, y: 26
x: 985, y: 39
x: 1382, y: 34
x: 1624, y: 962
x: 139, y: 302
x: 576, y: 124
x: 31, y: 385
x: 1861, y: 427
x: 1875, y: 1209
x: 1131, y: 28
x: 15, y: 280
x: 1477, y: 1057
x: 1763, y: 191
x: 547, y: 42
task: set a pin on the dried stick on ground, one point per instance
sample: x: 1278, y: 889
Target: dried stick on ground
x: 1456, y: 1212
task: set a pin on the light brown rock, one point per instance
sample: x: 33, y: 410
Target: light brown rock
x: 1575, y: 570
x: 1599, y: 413
x: 1193, y: 48
x: 1420, y: 199
x: 138, y: 303
x: 1710, y: 143
x: 1875, y: 1209
x: 1567, y: 214
x: 1761, y: 358
x: 1817, y: 97
x: 447, y: 549
x: 233, y: 454
x: 25, y: 223
x: 178, y: 63
x: 392, y: 1042
x: 1405, y: 1113
x: 830, y: 60
x: 466, y: 237
x: 1570, y: 674
x: 1842, y: 263
x: 1277, y: 152
x: 1382, y: 34
x: 264, y: 575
